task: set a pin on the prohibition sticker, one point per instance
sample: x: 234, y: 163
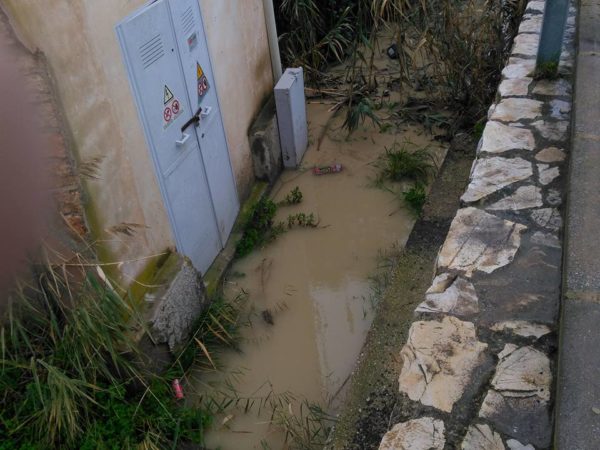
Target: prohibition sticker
x: 168, y: 114
x: 171, y: 107
x: 175, y: 107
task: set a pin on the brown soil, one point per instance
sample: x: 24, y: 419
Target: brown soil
x: 371, y: 404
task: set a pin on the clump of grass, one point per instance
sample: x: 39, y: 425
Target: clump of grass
x: 261, y: 228
x: 217, y: 329
x: 478, y: 128
x: 399, y: 163
x: 415, y: 198
x: 357, y: 112
x: 302, y: 220
x: 420, y: 111
x: 70, y: 372
x: 308, y: 428
x: 546, y: 71
x: 292, y: 198
x: 258, y: 229
x: 458, y: 47
x: 306, y: 424
x: 315, y: 33
x: 385, y: 127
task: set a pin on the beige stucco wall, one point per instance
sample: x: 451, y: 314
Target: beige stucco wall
x: 80, y: 44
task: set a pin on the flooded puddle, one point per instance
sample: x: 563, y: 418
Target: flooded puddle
x: 313, y: 283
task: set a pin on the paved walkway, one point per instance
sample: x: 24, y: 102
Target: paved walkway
x: 578, y: 418
x: 479, y: 363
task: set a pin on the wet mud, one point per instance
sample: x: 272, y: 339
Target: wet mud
x: 309, y: 293
x: 373, y: 403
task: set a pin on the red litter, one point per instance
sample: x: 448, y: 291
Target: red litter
x: 324, y: 170
x: 177, y: 389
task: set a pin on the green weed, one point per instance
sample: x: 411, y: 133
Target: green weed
x: 315, y: 33
x: 478, y: 128
x: 398, y: 163
x: 357, y: 112
x: 546, y: 71
x: 292, y: 198
x: 306, y: 425
x: 415, y: 198
x: 261, y: 228
x: 216, y: 330
x: 302, y: 220
x: 385, y: 127
x: 257, y: 231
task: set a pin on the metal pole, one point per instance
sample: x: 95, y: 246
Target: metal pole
x: 273, y: 39
x: 553, y: 29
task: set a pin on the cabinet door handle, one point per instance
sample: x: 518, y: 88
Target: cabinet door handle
x: 183, y: 140
x: 206, y: 111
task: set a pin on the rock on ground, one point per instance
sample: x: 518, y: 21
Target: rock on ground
x: 420, y: 434
x: 438, y: 361
x: 492, y: 174
x: 522, y: 328
x: 481, y: 437
x: 524, y: 197
x: 499, y: 138
x: 478, y: 241
x: 450, y: 294
x: 516, y: 109
x: 550, y: 154
x: 547, y: 218
x: 517, y: 402
x: 523, y: 372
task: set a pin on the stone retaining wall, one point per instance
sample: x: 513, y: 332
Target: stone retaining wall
x: 477, y: 368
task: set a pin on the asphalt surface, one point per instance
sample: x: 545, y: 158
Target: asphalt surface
x: 578, y: 390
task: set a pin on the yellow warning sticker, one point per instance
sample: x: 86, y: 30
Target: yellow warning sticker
x: 202, y: 82
x: 168, y: 95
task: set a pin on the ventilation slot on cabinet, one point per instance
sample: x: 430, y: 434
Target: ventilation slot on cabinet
x: 187, y: 21
x: 151, y: 51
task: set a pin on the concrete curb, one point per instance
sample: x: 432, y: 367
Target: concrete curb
x: 578, y: 393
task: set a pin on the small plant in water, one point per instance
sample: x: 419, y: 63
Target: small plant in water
x: 302, y: 220
x: 293, y: 198
x: 358, y: 112
x: 259, y: 226
x: 267, y: 316
x: 401, y: 164
x: 261, y: 229
x: 385, y: 127
x: 415, y: 198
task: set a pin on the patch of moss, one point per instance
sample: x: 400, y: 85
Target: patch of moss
x: 156, y: 272
x: 258, y: 191
x: 546, y: 71
x: 216, y: 272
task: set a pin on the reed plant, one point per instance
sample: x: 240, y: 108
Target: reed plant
x: 70, y: 370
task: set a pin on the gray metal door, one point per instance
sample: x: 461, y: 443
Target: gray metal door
x: 202, y: 92
x: 151, y: 54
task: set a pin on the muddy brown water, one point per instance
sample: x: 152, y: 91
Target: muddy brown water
x: 314, y: 283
